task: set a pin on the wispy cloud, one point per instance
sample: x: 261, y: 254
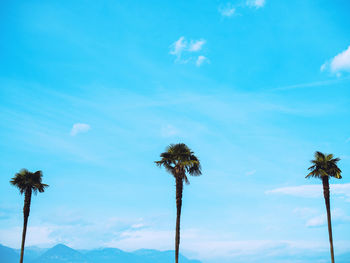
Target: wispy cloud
x: 36, y: 235
x: 339, y: 63
x: 178, y: 47
x: 227, y: 10
x: 79, y: 128
x: 256, y: 3
x: 313, y: 84
x: 169, y: 131
x: 312, y: 191
x: 114, y: 233
x: 338, y: 216
x: 230, y: 10
x: 250, y: 172
x: 200, y: 60
x: 77, y: 233
x: 138, y: 225
x: 305, y: 212
x: 206, y: 246
x: 183, y: 50
x: 137, y: 238
x: 197, y: 45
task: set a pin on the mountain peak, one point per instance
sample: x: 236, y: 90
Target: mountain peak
x: 61, y: 253
x: 60, y: 246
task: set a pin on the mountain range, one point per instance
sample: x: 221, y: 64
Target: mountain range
x: 64, y: 254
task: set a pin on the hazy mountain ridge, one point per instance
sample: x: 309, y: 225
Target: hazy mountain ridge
x: 64, y: 254
x: 8, y: 255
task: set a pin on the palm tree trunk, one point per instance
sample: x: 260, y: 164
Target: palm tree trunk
x: 26, y: 210
x: 179, y: 187
x: 325, y: 181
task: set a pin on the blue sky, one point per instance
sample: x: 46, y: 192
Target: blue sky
x: 92, y: 92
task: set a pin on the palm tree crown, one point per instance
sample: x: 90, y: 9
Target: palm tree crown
x: 324, y: 165
x: 179, y: 159
x: 25, y: 180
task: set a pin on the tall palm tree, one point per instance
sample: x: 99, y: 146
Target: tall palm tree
x: 179, y: 160
x: 323, y: 167
x: 27, y: 183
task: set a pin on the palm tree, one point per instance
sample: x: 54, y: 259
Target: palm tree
x: 178, y: 160
x: 325, y: 166
x: 27, y: 182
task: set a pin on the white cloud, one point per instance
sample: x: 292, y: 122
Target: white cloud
x: 183, y: 50
x: 201, y: 244
x: 77, y: 233
x: 200, y: 60
x: 313, y: 191
x: 178, y: 46
x: 206, y: 246
x: 196, y: 45
x: 338, y: 216
x: 317, y: 221
x: 36, y: 235
x: 227, y: 10
x: 139, y: 225
x: 339, y: 63
x: 324, y: 67
x: 305, y: 212
x: 299, y: 191
x: 256, y: 3
x: 250, y: 172
x: 169, y: 131
x: 143, y: 238
x: 79, y: 128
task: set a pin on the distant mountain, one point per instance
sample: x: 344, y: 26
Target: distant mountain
x: 8, y: 255
x: 111, y: 255
x: 31, y: 253
x: 64, y: 254
x: 344, y: 258
x: 61, y: 254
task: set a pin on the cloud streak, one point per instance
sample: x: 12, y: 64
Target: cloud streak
x: 227, y: 11
x: 256, y: 3
x: 312, y: 191
x: 338, y: 216
x: 169, y: 131
x: 200, y: 60
x: 79, y: 128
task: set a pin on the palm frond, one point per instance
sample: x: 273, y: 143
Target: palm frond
x: 179, y: 157
x: 25, y: 180
x: 186, y: 179
x: 324, y: 165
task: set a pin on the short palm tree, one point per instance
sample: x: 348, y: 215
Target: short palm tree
x: 179, y: 160
x: 27, y: 183
x: 323, y: 167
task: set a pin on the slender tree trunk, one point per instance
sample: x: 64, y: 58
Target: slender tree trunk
x: 26, y: 210
x: 179, y: 188
x: 325, y: 181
